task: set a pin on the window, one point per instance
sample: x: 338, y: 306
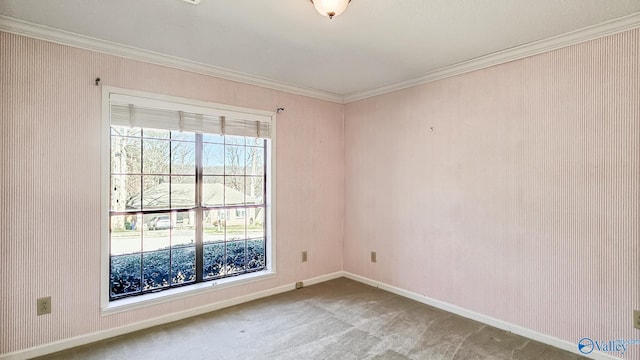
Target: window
x: 189, y: 193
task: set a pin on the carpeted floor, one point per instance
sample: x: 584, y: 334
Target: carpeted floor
x: 338, y: 319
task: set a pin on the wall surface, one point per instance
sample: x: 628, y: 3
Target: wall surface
x: 512, y: 191
x: 50, y: 185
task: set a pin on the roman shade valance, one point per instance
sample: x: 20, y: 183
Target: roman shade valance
x: 126, y: 110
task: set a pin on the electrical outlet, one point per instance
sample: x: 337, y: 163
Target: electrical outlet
x: 299, y: 285
x: 636, y: 319
x: 44, y: 305
x: 374, y: 257
x: 304, y: 256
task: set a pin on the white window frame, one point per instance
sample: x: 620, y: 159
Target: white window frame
x: 171, y: 102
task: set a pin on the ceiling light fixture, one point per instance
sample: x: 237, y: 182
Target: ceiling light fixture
x: 330, y: 8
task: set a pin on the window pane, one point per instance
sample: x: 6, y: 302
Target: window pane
x: 255, y: 142
x: 255, y: 254
x: 213, y: 265
x: 155, y: 269
x: 236, y: 224
x: 234, y: 160
x: 157, y: 235
x: 155, y: 193
x: 183, y: 265
x: 255, y: 224
x: 155, y: 156
x: 236, y: 140
x: 255, y: 161
x: 235, y: 256
x: 234, y: 190
x: 183, y: 159
x: 184, y: 220
x: 153, y: 225
x: 213, y: 138
x: 125, y: 192
x: 214, y: 225
x: 184, y: 230
x: 125, y: 274
x: 212, y: 190
x: 125, y: 131
x: 183, y: 191
x: 126, y: 155
x: 213, y: 159
x: 179, y: 135
x: 126, y: 235
x: 255, y: 190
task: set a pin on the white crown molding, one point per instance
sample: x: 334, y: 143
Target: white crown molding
x: 21, y: 27
x: 42, y: 32
x: 500, y: 57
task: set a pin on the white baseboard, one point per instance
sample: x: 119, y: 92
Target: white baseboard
x: 102, y: 335
x: 519, y: 330
x: 323, y: 278
x: 106, y: 334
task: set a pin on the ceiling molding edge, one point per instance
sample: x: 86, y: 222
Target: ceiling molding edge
x: 42, y: 32
x: 500, y: 57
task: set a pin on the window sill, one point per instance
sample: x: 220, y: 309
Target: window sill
x: 136, y: 302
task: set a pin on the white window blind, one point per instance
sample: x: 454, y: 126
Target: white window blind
x: 134, y: 111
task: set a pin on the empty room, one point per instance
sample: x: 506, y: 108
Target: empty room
x: 320, y: 179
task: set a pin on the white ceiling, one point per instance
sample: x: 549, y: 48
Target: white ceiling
x: 373, y: 44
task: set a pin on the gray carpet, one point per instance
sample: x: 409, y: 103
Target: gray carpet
x: 338, y: 319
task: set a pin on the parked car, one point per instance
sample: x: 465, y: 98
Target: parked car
x: 159, y: 222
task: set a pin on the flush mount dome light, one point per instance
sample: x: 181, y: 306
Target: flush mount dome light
x: 330, y: 8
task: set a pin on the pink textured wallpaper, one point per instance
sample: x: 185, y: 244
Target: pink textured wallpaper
x: 50, y: 185
x: 512, y: 191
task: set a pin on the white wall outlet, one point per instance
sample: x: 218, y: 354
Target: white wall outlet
x: 299, y: 285
x: 44, y: 305
x: 374, y: 257
x: 304, y: 256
